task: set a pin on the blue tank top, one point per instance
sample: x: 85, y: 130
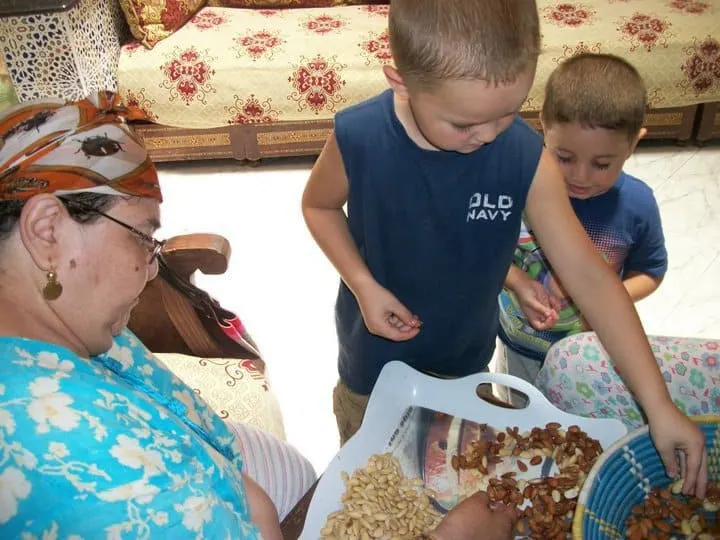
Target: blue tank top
x: 438, y: 230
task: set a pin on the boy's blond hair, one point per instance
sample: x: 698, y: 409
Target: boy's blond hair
x: 437, y: 40
x: 596, y: 91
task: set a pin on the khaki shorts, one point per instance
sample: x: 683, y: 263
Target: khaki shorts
x: 349, y: 409
x: 520, y: 366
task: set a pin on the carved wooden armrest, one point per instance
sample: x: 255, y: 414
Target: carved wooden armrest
x: 209, y: 253
x: 165, y: 319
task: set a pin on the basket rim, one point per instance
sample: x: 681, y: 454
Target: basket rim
x: 578, y: 519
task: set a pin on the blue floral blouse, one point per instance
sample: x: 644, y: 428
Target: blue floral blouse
x: 112, y: 447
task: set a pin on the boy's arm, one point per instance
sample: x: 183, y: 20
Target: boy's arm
x: 322, y: 205
x: 515, y: 278
x: 540, y: 307
x: 647, y: 261
x: 640, y: 285
x: 605, y: 303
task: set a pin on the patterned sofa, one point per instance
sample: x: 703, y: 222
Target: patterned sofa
x: 249, y: 79
x: 253, y: 83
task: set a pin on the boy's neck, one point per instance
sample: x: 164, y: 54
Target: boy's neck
x: 404, y: 114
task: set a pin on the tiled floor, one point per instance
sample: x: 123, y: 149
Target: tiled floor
x: 282, y: 286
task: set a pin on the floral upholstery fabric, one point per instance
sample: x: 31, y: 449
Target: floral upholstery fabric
x: 231, y: 66
x: 579, y: 377
x: 235, y: 389
x: 151, y: 21
x: 228, y: 66
x: 276, y: 4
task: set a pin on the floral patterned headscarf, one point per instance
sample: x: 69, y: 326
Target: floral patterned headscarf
x: 53, y: 146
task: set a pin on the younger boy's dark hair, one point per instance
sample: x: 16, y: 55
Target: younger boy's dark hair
x: 596, y: 91
x: 437, y: 40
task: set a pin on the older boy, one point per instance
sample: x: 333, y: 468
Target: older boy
x: 436, y: 175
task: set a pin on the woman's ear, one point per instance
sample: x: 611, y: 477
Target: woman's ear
x: 40, y: 228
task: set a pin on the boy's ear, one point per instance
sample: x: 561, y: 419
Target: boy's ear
x: 396, y: 81
x: 641, y: 134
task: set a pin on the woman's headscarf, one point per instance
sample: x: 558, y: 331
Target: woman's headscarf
x: 53, y: 146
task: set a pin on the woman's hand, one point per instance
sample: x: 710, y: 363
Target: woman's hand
x: 671, y: 431
x: 384, y: 315
x: 475, y: 519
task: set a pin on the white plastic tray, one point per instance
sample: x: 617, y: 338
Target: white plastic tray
x: 400, y: 387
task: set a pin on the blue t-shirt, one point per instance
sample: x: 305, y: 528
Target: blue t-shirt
x: 624, y: 224
x: 438, y: 230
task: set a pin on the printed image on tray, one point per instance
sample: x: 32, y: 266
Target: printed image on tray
x: 427, y: 444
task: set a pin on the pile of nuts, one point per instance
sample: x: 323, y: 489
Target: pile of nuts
x: 552, y: 501
x: 380, y: 502
x: 666, y: 514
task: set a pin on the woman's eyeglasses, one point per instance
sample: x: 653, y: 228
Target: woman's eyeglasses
x: 154, y: 246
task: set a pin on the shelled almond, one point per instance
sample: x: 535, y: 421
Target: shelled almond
x: 667, y: 514
x: 552, y: 501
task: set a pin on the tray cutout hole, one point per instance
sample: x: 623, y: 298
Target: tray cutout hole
x: 489, y: 394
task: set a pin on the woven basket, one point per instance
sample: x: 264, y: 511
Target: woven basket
x: 624, y: 475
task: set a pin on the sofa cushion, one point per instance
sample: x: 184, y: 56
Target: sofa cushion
x: 151, y: 21
x: 282, y: 4
x: 235, y: 389
x: 271, y: 4
x: 228, y: 66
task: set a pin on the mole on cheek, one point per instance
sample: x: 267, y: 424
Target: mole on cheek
x: 73, y: 264
x: 137, y: 268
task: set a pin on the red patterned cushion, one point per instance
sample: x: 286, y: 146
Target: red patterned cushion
x: 151, y: 21
x: 284, y: 4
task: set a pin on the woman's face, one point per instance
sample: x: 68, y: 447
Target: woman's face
x: 104, y: 271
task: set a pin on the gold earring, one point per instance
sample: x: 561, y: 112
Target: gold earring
x: 52, y: 289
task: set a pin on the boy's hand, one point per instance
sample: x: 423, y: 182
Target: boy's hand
x: 475, y: 519
x: 540, y: 308
x: 385, y: 316
x: 671, y: 430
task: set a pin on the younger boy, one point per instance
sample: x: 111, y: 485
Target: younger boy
x: 592, y: 118
x: 436, y: 175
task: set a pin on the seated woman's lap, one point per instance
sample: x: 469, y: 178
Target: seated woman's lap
x: 284, y: 473
x: 578, y: 377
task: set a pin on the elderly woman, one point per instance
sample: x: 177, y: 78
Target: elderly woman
x: 94, y: 438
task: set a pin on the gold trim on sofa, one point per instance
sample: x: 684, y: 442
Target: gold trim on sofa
x: 283, y: 139
x: 167, y: 142
x: 272, y: 138
x: 664, y: 119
